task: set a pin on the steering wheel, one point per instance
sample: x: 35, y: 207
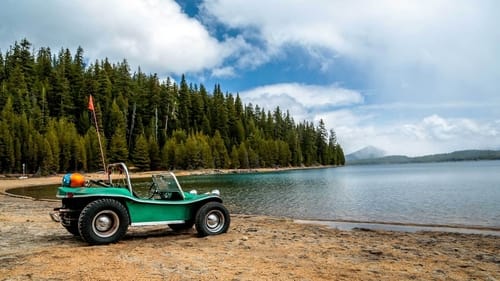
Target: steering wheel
x: 153, y: 190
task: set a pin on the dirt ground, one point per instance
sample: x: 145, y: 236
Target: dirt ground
x: 32, y: 247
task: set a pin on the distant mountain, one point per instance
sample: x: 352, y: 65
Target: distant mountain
x: 463, y: 155
x: 368, y: 152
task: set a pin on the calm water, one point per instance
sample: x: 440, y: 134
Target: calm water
x: 455, y: 193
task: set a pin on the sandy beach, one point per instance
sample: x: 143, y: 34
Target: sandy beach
x: 32, y: 247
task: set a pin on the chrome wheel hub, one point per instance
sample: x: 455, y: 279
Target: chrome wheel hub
x: 215, y: 220
x: 105, y: 223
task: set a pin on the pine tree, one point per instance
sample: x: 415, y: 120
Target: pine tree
x: 340, y: 155
x: 154, y: 154
x: 140, y: 155
x: 220, y: 155
x: 18, y: 90
x: 284, y: 155
x: 321, y: 145
x: 253, y: 159
x: 243, y: 157
x: 80, y: 159
x: 51, y: 164
x: 92, y: 150
x: 168, y: 155
x: 184, y: 104
x: 7, y: 157
x: 118, y: 151
x: 68, y: 140
x: 47, y: 165
x: 219, y: 115
x: 193, y: 158
x: 235, y: 158
x: 332, y: 147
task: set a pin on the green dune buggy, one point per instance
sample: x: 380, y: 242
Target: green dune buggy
x: 100, y: 212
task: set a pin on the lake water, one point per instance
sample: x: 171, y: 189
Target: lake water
x: 454, y: 193
x: 451, y: 193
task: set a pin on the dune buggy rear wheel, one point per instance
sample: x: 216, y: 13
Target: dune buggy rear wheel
x: 212, y: 219
x: 103, y: 221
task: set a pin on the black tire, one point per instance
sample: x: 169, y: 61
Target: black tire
x: 181, y: 226
x: 103, y: 221
x: 212, y: 219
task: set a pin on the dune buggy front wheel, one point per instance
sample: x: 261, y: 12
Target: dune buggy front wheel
x: 212, y: 219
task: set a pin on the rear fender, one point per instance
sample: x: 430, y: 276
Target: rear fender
x: 73, y: 206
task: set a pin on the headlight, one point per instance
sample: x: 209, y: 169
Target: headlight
x: 216, y: 192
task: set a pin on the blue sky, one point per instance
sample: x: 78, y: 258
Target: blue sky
x: 409, y: 77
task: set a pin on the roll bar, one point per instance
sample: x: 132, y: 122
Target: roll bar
x: 123, y: 169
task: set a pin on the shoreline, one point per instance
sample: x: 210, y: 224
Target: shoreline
x: 401, y: 227
x: 14, y: 181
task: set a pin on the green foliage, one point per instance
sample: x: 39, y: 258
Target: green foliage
x: 7, y: 157
x: 219, y: 152
x: 92, y: 151
x: 168, y: 155
x: 140, y: 155
x: 46, y: 125
x: 235, y: 158
x: 154, y: 155
x: 118, y: 151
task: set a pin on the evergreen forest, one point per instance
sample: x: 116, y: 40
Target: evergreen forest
x: 147, y: 122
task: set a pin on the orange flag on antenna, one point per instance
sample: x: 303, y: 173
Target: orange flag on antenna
x: 91, y: 103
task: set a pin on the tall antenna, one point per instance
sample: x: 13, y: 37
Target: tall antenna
x: 91, y: 108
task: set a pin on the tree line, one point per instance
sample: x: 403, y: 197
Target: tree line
x: 144, y: 121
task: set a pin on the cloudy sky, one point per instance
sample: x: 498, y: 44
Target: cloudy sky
x: 409, y: 77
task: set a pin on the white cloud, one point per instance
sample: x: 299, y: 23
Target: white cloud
x: 303, y: 101
x: 343, y: 118
x: 154, y: 34
x: 308, y: 95
x: 439, y: 129
x: 432, y: 134
x: 227, y: 71
x: 412, y: 50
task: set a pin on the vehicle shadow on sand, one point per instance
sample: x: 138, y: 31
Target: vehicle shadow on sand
x: 133, y: 234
